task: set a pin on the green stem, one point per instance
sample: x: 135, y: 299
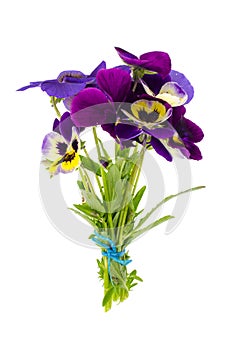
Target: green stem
x: 133, y: 182
x: 106, y: 193
x: 97, y: 178
x: 54, y: 105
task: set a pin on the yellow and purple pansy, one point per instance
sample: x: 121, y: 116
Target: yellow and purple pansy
x: 61, y: 147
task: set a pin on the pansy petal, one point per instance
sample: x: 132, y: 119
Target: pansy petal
x: 65, y: 126
x: 70, y: 162
x: 90, y: 107
x: 172, y: 93
x: 160, y: 149
x: 61, y: 90
x: 151, y: 112
x: 102, y: 65
x: 156, y: 61
x: 126, y: 56
x: 32, y: 85
x: 115, y: 82
x: 160, y: 132
x: 110, y: 128
x: 53, y: 146
x: 194, y: 151
x: 86, y: 98
x: 56, y: 125
x: 127, y: 132
x: 184, y: 83
x: 178, y: 146
x: 124, y: 67
x: 154, y: 82
x: 191, y: 131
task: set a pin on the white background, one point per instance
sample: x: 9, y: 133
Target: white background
x: 50, y: 293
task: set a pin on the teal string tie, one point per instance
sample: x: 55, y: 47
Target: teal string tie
x: 111, y: 251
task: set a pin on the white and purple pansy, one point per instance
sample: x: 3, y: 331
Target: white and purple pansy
x: 61, y: 148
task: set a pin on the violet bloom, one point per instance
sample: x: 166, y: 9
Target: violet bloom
x: 108, y: 107
x: 68, y: 83
x: 155, y: 61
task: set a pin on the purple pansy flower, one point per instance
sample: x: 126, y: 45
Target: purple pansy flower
x: 68, y: 83
x: 93, y: 106
x: 155, y: 61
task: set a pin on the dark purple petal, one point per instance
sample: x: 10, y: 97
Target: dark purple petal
x: 160, y: 132
x: 86, y: 98
x: 60, y: 90
x: 190, y: 130
x: 102, y: 65
x: 110, y: 128
x: 127, y: 132
x: 126, y: 56
x: 184, y: 83
x: 156, y: 61
x: 115, y: 82
x: 56, y: 125
x: 90, y: 107
x: 177, y: 114
x: 160, y: 149
x: 65, y: 126
x: 32, y: 85
x: 154, y: 82
x: 186, y: 128
x: 194, y: 151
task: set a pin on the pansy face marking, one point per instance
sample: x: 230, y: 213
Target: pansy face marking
x: 149, y: 113
x: 59, y: 155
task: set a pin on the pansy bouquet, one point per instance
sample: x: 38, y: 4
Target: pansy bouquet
x: 141, y: 105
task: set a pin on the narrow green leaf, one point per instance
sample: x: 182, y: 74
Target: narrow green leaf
x: 137, y: 198
x: 85, y: 208
x: 108, y: 296
x: 134, y: 234
x: 163, y: 202
x: 92, y: 223
x: 138, y: 278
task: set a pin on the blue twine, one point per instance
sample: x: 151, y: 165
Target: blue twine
x: 111, y: 251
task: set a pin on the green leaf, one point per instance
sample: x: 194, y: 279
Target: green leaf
x: 141, y: 222
x: 137, y: 198
x: 91, y: 222
x: 138, y: 278
x: 85, y: 208
x: 134, y: 234
x: 93, y: 201
x: 112, y: 177
x: 89, y: 164
x: 108, y: 296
